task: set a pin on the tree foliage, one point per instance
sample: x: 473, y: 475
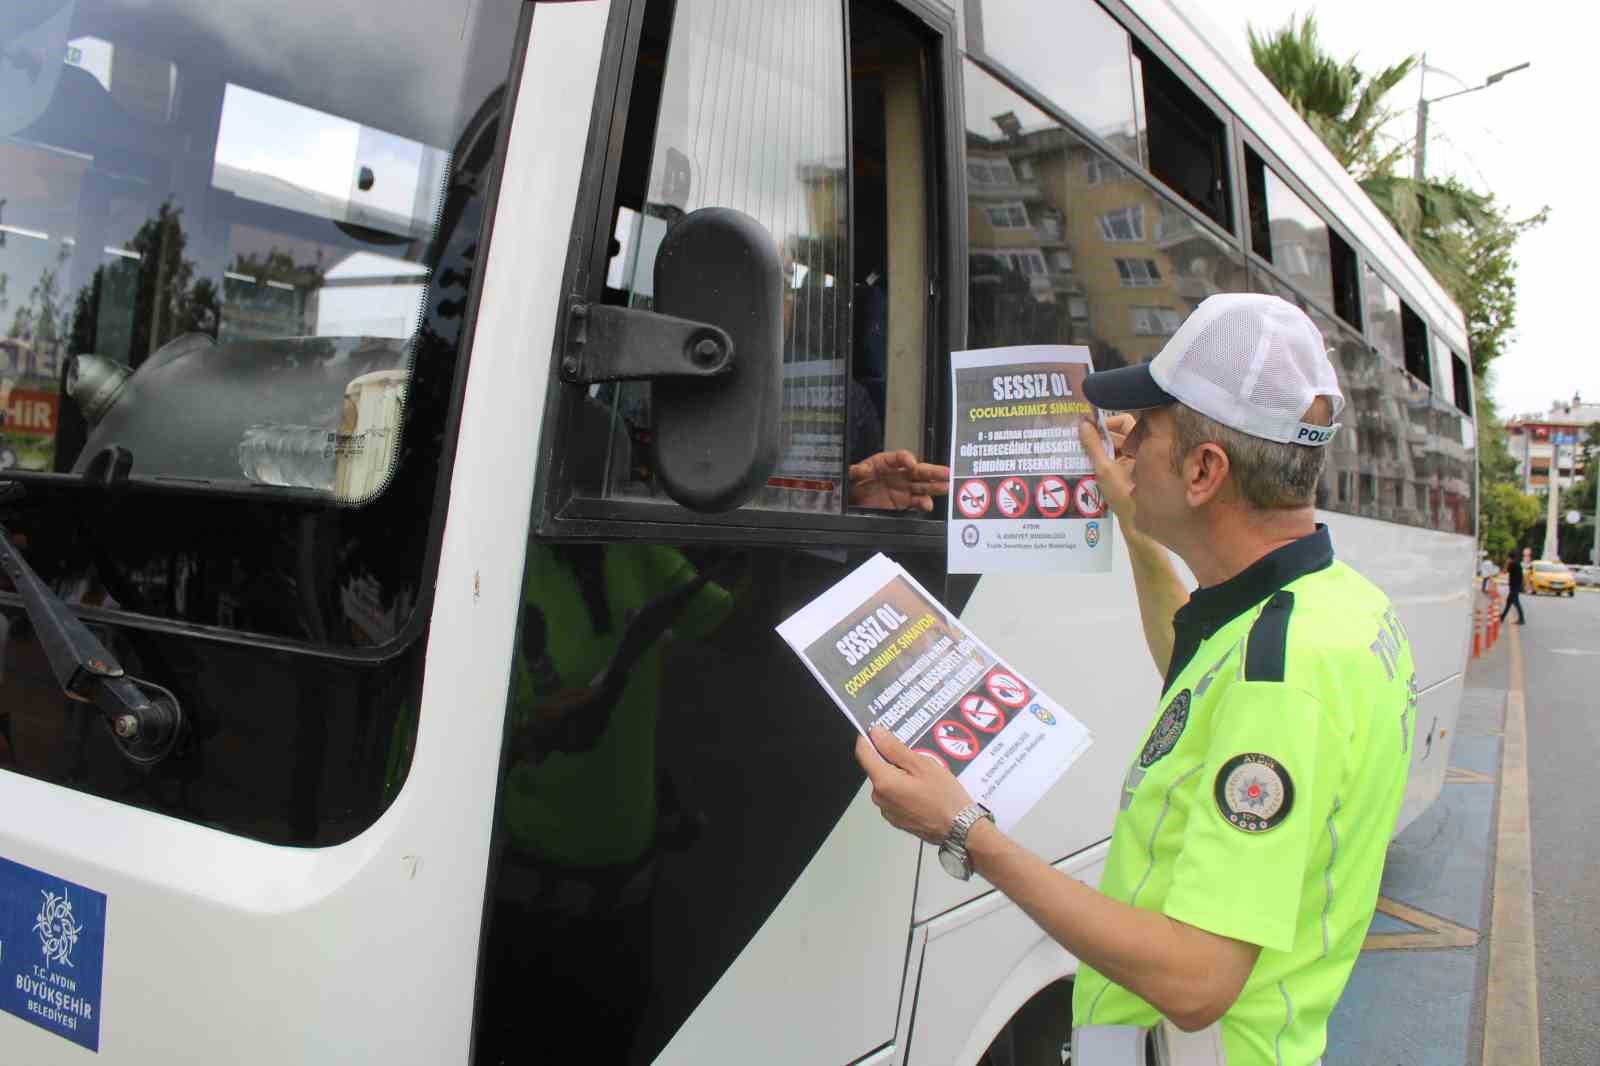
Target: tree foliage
x: 1505, y: 515
x: 1488, y: 298
x: 1343, y: 105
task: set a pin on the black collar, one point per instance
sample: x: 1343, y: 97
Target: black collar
x: 1208, y: 610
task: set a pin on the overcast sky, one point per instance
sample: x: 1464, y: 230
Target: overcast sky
x: 1528, y: 139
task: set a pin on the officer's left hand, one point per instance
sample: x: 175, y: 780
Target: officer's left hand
x: 915, y: 792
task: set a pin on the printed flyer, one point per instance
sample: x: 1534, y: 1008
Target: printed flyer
x: 1023, y: 495
x: 889, y: 655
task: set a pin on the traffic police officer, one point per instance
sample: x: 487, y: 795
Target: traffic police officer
x: 1244, y: 863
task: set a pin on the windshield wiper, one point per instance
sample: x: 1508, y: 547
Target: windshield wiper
x: 145, y: 719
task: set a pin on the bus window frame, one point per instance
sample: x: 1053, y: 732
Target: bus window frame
x: 422, y: 611
x: 1247, y: 139
x: 561, y: 511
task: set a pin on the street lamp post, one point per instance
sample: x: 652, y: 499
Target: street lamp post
x: 1422, y: 112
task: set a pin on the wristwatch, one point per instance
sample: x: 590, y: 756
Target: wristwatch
x: 953, y: 852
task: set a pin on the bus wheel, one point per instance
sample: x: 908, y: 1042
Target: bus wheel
x: 1040, y: 1034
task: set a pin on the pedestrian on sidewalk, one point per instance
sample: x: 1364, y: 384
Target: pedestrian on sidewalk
x: 1276, y: 767
x: 1488, y: 570
x: 1513, y: 589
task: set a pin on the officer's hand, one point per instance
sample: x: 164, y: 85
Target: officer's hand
x: 915, y: 792
x: 1114, y: 475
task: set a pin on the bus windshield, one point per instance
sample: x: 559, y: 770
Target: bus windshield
x: 236, y: 245
x: 227, y: 213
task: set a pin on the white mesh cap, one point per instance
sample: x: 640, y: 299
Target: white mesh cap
x: 1252, y: 362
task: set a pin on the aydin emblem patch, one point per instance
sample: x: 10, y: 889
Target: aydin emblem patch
x: 1167, y: 731
x: 57, y: 928
x: 1254, y: 792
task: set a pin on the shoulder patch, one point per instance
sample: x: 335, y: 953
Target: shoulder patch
x: 1254, y: 792
x: 1168, y: 728
x: 1267, y: 650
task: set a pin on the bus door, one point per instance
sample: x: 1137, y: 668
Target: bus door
x: 687, y: 866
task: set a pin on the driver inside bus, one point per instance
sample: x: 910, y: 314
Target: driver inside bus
x: 1254, y: 819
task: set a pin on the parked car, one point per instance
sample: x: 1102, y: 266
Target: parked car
x: 1586, y: 575
x: 1552, y: 577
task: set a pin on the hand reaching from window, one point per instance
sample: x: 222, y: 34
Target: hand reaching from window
x: 897, y: 481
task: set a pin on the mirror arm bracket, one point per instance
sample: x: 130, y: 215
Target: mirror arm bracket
x: 609, y: 343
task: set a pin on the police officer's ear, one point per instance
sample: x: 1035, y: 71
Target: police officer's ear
x: 1205, y: 473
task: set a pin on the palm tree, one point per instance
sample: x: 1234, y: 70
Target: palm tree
x: 1344, y: 107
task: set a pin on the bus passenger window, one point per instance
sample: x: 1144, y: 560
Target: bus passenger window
x: 890, y: 253
x: 1098, y: 256
x: 751, y: 114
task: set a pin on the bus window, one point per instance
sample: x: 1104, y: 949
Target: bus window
x: 1383, y: 316
x: 890, y: 99
x: 1288, y: 233
x: 1073, y: 54
x: 1441, y: 372
x: 717, y: 122
x: 252, y: 236
x: 1185, y: 141
x: 1414, y: 338
x: 1104, y: 258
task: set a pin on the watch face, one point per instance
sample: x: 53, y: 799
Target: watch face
x: 953, y: 864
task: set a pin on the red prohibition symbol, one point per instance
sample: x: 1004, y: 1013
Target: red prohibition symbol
x: 973, y: 498
x: 982, y: 713
x: 1050, y: 496
x: 1087, y: 496
x: 1013, y: 497
x: 1007, y: 690
x: 955, y: 740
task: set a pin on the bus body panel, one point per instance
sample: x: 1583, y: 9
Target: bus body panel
x: 814, y: 959
x: 984, y: 960
x: 1077, y: 637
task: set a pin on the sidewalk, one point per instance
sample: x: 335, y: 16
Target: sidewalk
x: 1416, y: 997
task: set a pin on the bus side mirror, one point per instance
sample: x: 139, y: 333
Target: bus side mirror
x: 712, y: 350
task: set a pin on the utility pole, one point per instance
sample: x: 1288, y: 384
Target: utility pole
x: 1594, y: 474
x: 1422, y: 140
x: 1552, y: 543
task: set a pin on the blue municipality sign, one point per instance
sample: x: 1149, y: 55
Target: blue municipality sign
x: 52, y: 945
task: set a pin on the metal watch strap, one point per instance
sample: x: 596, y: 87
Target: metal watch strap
x: 956, y: 840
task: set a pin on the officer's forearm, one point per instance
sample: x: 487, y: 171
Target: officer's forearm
x: 1159, y: 590
x: 1191, y: 976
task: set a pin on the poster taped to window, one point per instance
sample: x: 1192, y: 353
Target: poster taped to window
x: 1023, y: 495
x: 889, y: 655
